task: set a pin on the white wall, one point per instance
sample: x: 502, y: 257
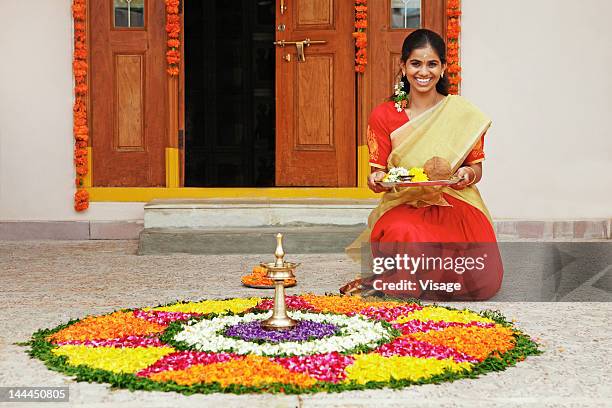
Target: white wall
x: 539, y: 68
x: 36, y: 171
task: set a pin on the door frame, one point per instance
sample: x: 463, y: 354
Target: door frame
x: 175, y: 157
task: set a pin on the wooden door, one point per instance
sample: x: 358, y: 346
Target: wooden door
x: 128, y: 94
x: 385, y: 47
x: 315, y: 98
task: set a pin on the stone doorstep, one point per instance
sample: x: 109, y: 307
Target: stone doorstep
x: 301, y: 240
x: 239, y: 213
x: 265, y: 212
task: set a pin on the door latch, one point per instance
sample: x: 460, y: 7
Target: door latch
x: 299, y: 45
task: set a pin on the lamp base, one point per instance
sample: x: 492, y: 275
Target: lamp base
x: 279, y: 323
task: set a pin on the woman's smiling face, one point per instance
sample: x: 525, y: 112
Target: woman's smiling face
x: 423, y: 69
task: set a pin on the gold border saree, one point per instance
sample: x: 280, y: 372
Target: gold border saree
x: 449, y: 130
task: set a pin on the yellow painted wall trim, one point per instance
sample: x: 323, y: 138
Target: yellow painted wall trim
x: 172, y: 189
x: 145, y: 194
x: 172, y: 167
x: 363, y: 168
x: 89, y: 176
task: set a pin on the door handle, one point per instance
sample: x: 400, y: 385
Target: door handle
x: 299, y: 45
x: 283, y: 7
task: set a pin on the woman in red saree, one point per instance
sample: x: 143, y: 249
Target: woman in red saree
x: 423, y: 122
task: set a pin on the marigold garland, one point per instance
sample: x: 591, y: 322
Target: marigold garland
x: 360, y: 35
x: 173, y: 30
x: 453, y: 70
x: 453, y: 14
x: 80, y: 127
x: 147, y: 348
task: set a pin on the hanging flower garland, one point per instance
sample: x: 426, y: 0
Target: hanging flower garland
x: 173, y: 28
x: 339, y: 344
x: 80, y: 129
x: 361, y: 38
x: 453, y: 12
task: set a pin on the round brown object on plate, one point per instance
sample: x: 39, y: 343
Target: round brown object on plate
x: 437, y: 168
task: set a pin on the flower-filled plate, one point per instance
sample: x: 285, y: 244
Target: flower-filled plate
x: 389, y: 184
x: 257, y: 279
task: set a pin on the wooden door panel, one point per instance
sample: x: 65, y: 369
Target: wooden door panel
x: 313, y: 95
x: 129, y: 84
x: 314, y: 13
x: 128, y: 98
x: 315, y: 104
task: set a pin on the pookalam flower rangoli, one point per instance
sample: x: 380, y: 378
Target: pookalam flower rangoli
x: 341, y: 343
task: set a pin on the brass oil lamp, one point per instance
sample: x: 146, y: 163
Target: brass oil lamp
x: 278, y: 271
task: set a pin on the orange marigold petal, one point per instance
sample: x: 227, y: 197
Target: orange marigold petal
x: 250, y: 371
x: 112, y: 326
x: 478, y: 342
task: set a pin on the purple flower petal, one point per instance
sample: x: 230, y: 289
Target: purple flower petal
x: 305, y: 330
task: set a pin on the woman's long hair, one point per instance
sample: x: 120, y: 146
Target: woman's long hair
x: 422, y: 38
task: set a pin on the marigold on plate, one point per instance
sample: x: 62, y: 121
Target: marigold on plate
x: 258, y: 278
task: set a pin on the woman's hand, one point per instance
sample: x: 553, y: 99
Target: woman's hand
x: 373, y: 178
x: 467, y: 175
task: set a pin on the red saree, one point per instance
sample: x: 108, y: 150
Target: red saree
x: 458, y: 222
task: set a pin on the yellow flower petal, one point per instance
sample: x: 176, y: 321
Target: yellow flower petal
x: 437, y: 314
x: 117, y: 360
x: 212, y: 306
x: 374, y: 367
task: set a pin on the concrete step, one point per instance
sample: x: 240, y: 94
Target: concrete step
x: 254, y: 240
x: 255, y: 212
x: 243, y: 226
x: 248, y: 226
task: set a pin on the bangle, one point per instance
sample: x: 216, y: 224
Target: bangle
x: 474, y: 179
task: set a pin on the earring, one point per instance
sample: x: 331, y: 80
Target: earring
x: 442, y: 75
